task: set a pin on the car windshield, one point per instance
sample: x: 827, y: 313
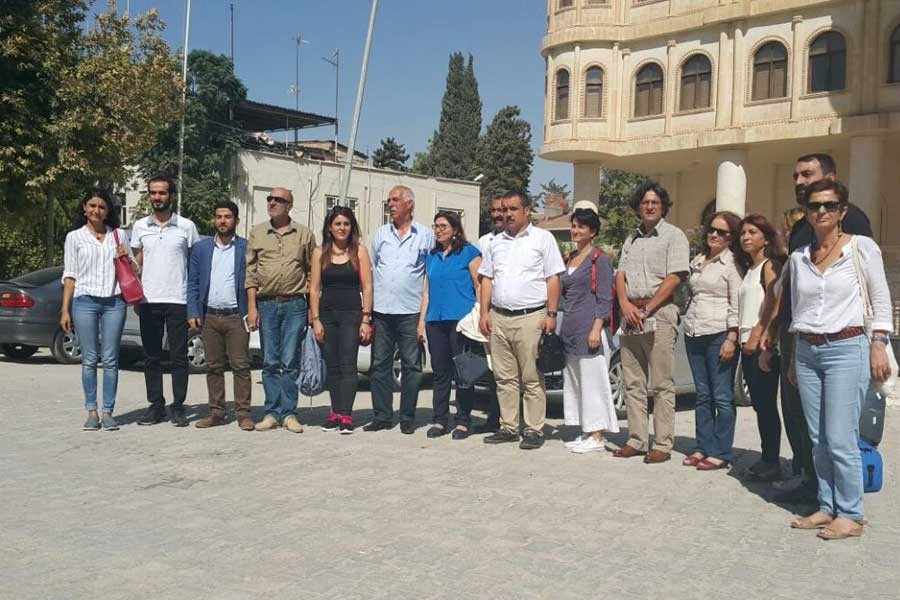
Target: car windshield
x: 38, y: 278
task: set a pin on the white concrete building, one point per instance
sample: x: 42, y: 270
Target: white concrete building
x: 716, y: 99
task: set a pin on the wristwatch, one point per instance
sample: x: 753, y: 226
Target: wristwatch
x: 882, y: 338
x: 552, y: 314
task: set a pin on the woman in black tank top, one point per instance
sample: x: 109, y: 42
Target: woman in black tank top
x: 341, y: 306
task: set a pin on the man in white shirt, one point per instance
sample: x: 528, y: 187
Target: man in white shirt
x: 162, y: 244
x: 519, y: 300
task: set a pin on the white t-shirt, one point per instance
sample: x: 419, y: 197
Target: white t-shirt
x: 519, y: 267
x: 165, y: 257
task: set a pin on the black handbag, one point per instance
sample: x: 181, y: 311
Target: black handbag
x: 470, y: 367
x: 551, y: 355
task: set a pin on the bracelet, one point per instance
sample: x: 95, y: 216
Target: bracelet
x: 882, y: 338
x: 315, y: 318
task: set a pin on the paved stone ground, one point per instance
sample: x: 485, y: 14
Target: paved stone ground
x: 161, y: 512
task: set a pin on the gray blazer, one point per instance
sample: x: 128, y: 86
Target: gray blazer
x: 580, y: 307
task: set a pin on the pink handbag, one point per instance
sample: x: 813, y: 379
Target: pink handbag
x: 129, y: 283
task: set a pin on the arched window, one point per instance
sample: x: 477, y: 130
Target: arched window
x: 648, y: 91
x: 770, y: 72
x: 562, y: 94
x: 828, y: 63
x: 593, y: 92
x: 565, y: 4
x: 895, y: 56
x: 696, y: 76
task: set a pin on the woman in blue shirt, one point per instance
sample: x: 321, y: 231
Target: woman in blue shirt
x: 451, y: 290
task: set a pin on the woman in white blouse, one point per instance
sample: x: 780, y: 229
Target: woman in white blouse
x: 711, y: 334
x: 835, y: 358
x: 92, y: 302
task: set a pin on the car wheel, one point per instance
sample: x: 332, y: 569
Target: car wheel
x: 741, y: 389
x: 196, y: 353
x: 66, y: 349
x: 18, y: 351
x: 397, y: 368
x: 617, y: 384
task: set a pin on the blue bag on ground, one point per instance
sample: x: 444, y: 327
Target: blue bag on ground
x: 872, y: 467
x: 312, y: 366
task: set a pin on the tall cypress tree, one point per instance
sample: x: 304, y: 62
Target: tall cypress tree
x: 504, y: 157
x: 453, y: 146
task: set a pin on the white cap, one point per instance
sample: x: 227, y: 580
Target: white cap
x: 586, y: 204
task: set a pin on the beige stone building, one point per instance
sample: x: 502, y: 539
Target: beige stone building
x: 716, y: 98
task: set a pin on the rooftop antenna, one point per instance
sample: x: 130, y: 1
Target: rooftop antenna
x: 295, y: 89
x: 335, y: 61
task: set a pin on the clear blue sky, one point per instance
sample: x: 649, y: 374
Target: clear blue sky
x: 408, y: 65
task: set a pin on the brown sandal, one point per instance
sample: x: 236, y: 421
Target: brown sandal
x: 854, y: 529
x: 817, y: 520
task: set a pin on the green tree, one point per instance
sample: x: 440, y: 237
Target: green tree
x: 390, y: 155
x: 504, y: 156
x: 211, y: 139
x: 452, y: 150
x: 616, y: 190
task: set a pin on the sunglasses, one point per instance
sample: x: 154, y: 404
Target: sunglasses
x: 722, y: 233
x: 814, y: 207
x: 277, y: 199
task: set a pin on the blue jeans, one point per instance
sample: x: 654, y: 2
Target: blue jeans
x: 395, y: 331
x: 99, y: 322
x: 833, y: 379
x: 282, y: 326
x: 714, y: 412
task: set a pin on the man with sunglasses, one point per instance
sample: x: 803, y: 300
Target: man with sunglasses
x: 278, y: 270
x: 809, y: 169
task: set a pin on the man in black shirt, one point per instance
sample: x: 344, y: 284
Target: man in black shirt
x: 809, y: 169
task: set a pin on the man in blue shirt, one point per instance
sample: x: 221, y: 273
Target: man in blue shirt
x: 399, y: 250
x: 217, y: 305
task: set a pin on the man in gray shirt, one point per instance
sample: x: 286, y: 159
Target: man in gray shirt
x: 654, y: 261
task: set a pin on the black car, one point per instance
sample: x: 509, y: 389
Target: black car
x: 29, y: 317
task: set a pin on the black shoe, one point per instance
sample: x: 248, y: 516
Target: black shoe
x: 486, y: 428
x: 152, y: 416
x: 501, y: 437
x: 435, y: 432
x: 346, y: 428
x: 407, y: 427
x: 331, y: 425
x: 532, y: 440
x: 179, y: 418
x: 459, y: 434
x: 805, y: 494
x: 378, y: 426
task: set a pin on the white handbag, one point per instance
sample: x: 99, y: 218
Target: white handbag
x: 887, y: 388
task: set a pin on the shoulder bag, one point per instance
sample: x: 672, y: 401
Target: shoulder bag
x: 132, y: 292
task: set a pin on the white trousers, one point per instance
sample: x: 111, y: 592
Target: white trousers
x: 587, y: 396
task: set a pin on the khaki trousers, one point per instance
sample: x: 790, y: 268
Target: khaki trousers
x: 514, y: 350
x: 225, y: 337
x: 650, y: 357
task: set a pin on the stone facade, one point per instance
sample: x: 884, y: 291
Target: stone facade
x: 716, y: 99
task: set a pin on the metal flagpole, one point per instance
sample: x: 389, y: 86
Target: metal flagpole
x: 187, y: 33
x: 351, y: 146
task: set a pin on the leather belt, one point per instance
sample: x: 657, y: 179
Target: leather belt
x: 818, y: 339
x: 519, y: 311
x: 280, y: 298
x: 222, y: 312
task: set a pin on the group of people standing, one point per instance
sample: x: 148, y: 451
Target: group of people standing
x: 800, y: 323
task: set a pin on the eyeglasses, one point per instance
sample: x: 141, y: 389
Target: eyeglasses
x: 814, y: 207
x: 651, y: 203
x: 722, y: 233
x: 441, y: 226
x: 277, y: 199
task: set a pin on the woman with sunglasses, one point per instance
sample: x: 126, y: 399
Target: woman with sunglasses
x: 340, y: 300
x: 710, y: 338
x: 760, y: 259
x: 834, y: 357
x: 92, y: 303
x: 451, y: 290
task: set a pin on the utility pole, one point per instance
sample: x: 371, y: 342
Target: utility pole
x: 187, y: 33
x: 335, y: 62
x: 351, y: 146
x: 231, y: 8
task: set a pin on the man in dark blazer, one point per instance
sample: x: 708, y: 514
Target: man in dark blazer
x: 217, y: 305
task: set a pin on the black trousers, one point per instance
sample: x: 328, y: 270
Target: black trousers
x: 444, y: 342
x: 794, y: 420
x: 764, y: 395
x: 341, y: 349
x: 171, y: 319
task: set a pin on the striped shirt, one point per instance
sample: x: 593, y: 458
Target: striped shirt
x: 90, y: 262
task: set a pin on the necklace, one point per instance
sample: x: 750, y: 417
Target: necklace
x: 824, y: 258
x: 97, y: 234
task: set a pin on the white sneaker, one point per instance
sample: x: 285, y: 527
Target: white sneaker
x: 577, y: 441
x: 590, y: 444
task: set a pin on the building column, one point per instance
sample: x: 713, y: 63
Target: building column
x: 724, y: 77
x: 587, y: 182
x: 797, y: 59
x: 669, y: 83
x: 866, y: 153
x: 869, y: 78
x: 737, y: 78
x: 575, y: 90
x: 613, y: 96
x: 731, y: 181
x: 549, y: 93
x: 624, y: 92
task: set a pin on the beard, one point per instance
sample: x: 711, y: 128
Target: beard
x: 161, y: 206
